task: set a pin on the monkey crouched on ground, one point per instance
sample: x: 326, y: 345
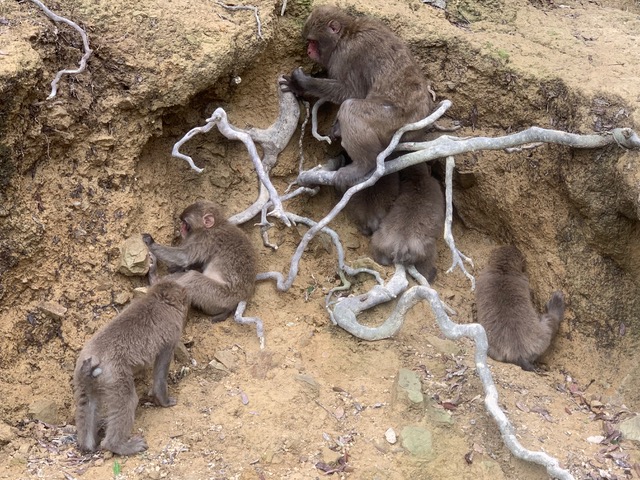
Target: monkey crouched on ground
x: 409, y: 232
x: 515, y: 332
x: 145, y: 333
x: 372, y: 75
x: 215, y: 260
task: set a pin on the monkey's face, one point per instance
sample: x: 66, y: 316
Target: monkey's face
x: 322, y: 32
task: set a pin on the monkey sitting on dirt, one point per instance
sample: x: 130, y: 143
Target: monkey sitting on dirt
x: 378, y: 84
x: 145, y: 333
x: 215, y: 260
x: 409, y: 232
x: 515, y: 332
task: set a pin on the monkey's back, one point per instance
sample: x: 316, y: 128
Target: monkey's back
x: 408, y: 233
x: 375, y: 63
x: 234, y: 259
x: 134, y: 337
x: 503, y: 302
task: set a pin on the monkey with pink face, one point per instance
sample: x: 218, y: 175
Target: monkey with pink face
x: 215, y: 261
x: 373, y: 77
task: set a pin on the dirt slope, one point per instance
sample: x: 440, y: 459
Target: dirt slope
x: 81, y: 173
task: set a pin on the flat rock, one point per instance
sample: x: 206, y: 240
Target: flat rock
x: 133, y: 257
x: 45, y: 410
x: 407, y: 389
x: 52, y: 309
x: 630, y: 428
x: 6, y: 434
x: 417, y: 441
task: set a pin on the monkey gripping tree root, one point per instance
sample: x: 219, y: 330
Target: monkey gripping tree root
x: 85, y: 42
x: 344, y: 313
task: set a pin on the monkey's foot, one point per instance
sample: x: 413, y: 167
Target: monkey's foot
x: 132, y: 446
x: 163, y: 402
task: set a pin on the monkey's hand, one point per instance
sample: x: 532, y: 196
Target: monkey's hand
x: 147, y: 239
x: 294, y: 83
x: 347, y: 177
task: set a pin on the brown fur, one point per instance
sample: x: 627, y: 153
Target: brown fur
x: 215, y: 260
x: 145, y: 333
x: 515, y: 332
x: 408, y: 234
x: 372, y: 75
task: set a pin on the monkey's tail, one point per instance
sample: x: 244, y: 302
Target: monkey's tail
x: 555, y: 311
x: 90, y: 368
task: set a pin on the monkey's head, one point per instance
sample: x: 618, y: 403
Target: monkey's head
x: 508, y: 259
x: 323, y: 30
x: 201, y: 215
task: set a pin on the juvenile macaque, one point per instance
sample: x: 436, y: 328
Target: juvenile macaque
x: 371, y: 75
x: 515, y: 332
x: 408, y: 233
x: 145, y: 333
x: 215, y: 260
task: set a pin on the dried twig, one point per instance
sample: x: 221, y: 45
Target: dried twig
x: 85, y: 42
x: 253, y: 8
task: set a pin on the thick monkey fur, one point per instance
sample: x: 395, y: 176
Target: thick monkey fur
x: 145, y: 333
x: 408, y: 233
x: 372, y: 75
x: 515, y: 332
x: 215, y: 260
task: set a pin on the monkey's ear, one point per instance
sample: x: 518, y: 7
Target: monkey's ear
x: 208, y: 220
x: 334, y: 26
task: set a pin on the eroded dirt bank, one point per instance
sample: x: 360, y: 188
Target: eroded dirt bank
x: 81, y: 173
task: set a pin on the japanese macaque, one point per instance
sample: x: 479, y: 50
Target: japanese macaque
x: 368, y: 207
x: 408, y: 233
x: 515, y: 332
x: 145, y: 333
x: 215, y: 260
x: 372, y: 75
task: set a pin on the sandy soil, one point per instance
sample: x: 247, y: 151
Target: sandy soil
x: 93, y: 167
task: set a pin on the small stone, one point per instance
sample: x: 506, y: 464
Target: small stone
x: 218, y: 366
x: 448, y: 347
x: 133, y: 257
x: 408, y: 389
x: 44, y: 410
x: 227, y: 358
x: 6, y: 434
x: 417, y: 441
x: 140, y: 292
x: 329, y: 456
x: 52, y: 309
x: 308, y: 381
x: 630, y: 428
x: 122, y: 298
x: 390, y: 436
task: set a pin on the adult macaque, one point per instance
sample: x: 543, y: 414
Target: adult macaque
x: 515, y: 332
x: 408, y: 233
x: 368, y: 207
x: 145, y: 333
x: 215, y: 260
x: 371, y: 75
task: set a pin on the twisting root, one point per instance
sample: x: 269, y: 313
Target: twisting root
x: 477, y: 333
x: 273, y: 140
x: 238, y: 317
x: 254, y: 9
x: 458, y: 257
x: 85, y: 43
x: 314, y: 122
